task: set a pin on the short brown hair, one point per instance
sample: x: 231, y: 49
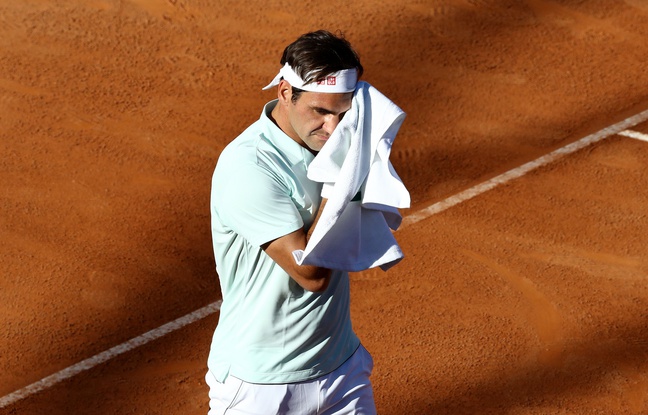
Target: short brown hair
x: 315, y: 55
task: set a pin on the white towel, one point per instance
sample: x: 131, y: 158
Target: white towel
x: 355, y: 235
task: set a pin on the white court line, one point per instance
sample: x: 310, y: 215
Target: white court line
x: 525, y: 168
x: 165, y: 329
x: 634, y: 134
x: 102, y: 357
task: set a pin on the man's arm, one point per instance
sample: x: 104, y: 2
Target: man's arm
x: 309, y: 277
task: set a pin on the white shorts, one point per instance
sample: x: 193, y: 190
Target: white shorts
x: 347, y: 390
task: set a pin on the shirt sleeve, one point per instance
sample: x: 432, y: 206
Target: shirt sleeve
x: 254, y: 202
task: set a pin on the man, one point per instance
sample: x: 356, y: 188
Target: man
x: 284, y: 342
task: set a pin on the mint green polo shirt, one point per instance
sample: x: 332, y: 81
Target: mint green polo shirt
x: 270, y: 330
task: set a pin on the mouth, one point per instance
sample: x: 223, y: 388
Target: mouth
x: 322, y: 137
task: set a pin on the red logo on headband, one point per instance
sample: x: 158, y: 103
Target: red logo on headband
x: 330, y: 80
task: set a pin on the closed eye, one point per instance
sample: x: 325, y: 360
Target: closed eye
x: 323, y: 111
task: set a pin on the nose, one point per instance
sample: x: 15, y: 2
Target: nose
x: 330, y: 122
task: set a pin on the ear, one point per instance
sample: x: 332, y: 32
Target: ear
x: 284, y: 92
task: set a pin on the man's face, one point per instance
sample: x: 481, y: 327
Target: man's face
x: 314, y: 116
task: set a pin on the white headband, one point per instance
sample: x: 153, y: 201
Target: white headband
x: 341, y: 81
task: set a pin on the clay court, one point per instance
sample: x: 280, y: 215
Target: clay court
x: 524, y: 288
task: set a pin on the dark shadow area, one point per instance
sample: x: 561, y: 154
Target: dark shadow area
x: 587, y: 366
x: 165, y: 376
x: 488, y: 86
x: 105, y: 184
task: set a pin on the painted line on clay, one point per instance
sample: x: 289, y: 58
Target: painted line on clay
x: 520, y: 171
x: 634, y: 134
x: 49, y: 381
x: 103, y: 357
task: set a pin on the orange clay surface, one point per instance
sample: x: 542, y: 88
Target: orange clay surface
x: 531, y: 298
